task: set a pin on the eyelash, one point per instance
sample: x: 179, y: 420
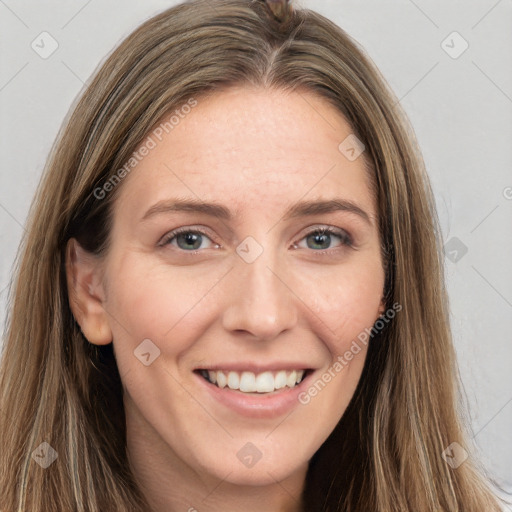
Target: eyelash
x: 345, y: 238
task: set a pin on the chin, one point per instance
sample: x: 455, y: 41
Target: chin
x: 257, y: 472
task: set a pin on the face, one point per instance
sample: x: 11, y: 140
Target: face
x: 245, y: 292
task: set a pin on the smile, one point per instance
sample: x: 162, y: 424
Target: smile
x: 250, y: 382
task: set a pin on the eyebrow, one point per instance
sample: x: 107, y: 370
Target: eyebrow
x: 300, y: 209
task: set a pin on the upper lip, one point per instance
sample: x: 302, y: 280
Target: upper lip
x: 251, y: 366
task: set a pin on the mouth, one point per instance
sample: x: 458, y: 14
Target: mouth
x: 251, y: 383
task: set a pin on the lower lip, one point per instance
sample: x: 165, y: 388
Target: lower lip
x: 268, y: 405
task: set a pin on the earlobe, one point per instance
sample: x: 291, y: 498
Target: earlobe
x: 85, y: 292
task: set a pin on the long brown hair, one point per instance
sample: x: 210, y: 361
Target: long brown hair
x: 385, y: 455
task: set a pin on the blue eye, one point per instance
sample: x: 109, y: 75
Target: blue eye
x: 322, y: 238
x: 186, y: 239
x: 190, y: 240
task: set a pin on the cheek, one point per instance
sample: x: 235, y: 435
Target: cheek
x: 148, y: 301
x: 345, y: 300
x: 348, y: 308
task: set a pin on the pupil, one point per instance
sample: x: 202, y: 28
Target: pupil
x: 322, y: 236
x: 191, y: 238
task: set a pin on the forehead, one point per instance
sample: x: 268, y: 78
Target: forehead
x: 249, y: 146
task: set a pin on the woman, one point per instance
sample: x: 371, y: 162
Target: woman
x: 259, y: 370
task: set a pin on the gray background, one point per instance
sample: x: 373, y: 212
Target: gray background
x: 460, y: 107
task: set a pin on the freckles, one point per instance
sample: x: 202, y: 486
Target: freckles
x: 343, y: 304
x: 347, y: 311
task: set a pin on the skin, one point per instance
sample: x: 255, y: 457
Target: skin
x: 257, y: 152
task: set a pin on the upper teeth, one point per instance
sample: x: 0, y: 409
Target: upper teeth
x: 250, y: 382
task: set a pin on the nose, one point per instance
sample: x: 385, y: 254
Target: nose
x: 261, y: 301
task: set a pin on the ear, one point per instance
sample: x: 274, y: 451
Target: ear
x: 86, y: 294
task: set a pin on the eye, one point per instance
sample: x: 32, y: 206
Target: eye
x: 187, y: 239
x: 321, y: 238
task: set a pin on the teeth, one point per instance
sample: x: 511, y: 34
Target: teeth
x: 291, y: 379
x: 280, y: 380
x: 265, y: 382
x: 249, y: 382
x: 233, y: 380
x: 221, y: 379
